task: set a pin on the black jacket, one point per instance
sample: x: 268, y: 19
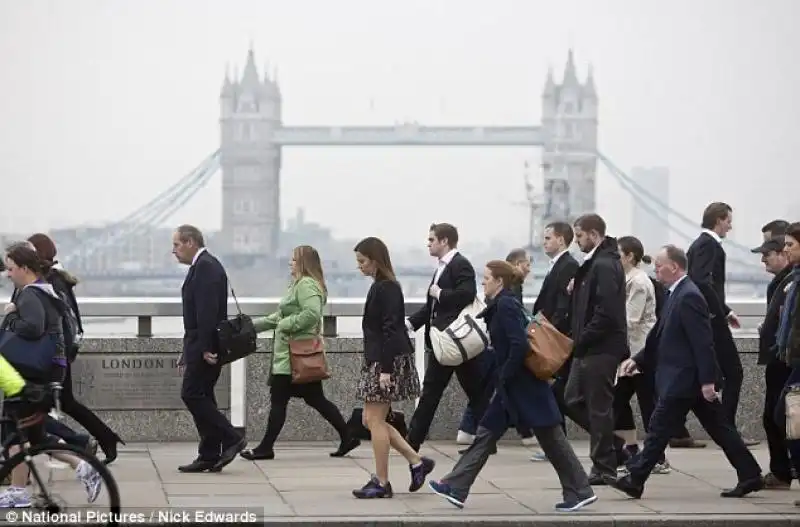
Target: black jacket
x: 599, y: 321
x: 681, y: 347
x: 767, y: 333
x: 459, y: 289
x: 707, y: 270
x: 64, y: 284
x: 553, y: 300
x: 38, y: 314
x: 384, y: 327
x: 205, y: 304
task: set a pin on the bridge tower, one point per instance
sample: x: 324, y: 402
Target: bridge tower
x: 250, y: 110
x: 569, y: 162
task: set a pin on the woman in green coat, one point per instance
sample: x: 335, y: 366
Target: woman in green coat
x: 299, y: 317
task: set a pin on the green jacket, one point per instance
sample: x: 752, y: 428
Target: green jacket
x: 299, y: 316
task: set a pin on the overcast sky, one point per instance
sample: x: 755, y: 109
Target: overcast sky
x: 105, y: 103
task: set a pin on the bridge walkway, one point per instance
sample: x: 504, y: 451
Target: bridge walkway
x: 303, y: 486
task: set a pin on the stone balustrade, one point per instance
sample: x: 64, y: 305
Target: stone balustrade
x: 133, y: 383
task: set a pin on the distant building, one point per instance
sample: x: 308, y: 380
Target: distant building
x: 569, y: 159
x: 250, y: 110
x: 650, y: 221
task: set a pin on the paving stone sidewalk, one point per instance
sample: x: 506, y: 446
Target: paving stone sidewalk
x: 304, y: 485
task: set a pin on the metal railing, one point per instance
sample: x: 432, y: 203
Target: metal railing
x: 145, y: 310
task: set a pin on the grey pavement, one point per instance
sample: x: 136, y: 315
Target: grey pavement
x: 303, y: 485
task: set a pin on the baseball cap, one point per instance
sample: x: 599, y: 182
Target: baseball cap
x: 776, y: 243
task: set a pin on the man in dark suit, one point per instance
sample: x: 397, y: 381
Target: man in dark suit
x: 553, y: 300
x: 452, y: 289
x: 205, y: 305
x: 681, y: 349
x: 600, y: 334
x: 777, y: 371
x: 707, y: 270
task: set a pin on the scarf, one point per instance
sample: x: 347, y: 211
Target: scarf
x: 787, y: 313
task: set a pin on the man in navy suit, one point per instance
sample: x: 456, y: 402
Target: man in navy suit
x: 205, y: 304
x: 681, y: 347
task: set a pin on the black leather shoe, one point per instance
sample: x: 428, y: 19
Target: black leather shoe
x: 229, y: 454
x: 198, y: 465
x: 628, y: 486
x: 743, y: 488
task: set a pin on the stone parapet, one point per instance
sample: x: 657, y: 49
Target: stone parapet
x: 134, y: 385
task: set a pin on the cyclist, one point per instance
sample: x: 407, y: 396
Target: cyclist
x: 33, y: 317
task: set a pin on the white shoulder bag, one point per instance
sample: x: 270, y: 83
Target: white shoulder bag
x: 464, y: 339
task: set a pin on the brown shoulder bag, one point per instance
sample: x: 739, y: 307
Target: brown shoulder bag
x: 307, y: 357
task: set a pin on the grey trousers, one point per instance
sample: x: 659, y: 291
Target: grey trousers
x: 574, y: 481
x: 589, y: 396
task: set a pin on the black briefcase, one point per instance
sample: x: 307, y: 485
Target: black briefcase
x: 237, y: 336
x: 359, y: 431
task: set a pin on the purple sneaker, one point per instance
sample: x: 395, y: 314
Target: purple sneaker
x: 374, y: 489
x: 419, y: 473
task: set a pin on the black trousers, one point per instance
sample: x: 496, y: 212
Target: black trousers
x: 643, y: 386
x: 775, y: 375
x: 669, y: 414
x: 589, y: 396
x: 281, y: 391
x: 730, y: 365
x: 197, y: 392
x: 436, y: 379
x: 84, y: 416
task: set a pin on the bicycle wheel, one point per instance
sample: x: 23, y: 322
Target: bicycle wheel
x: 64, y: 474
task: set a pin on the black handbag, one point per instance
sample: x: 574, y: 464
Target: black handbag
x: 237, y: 336
x: 357, y: 429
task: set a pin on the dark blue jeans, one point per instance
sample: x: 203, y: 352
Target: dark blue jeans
x: 62, y: 431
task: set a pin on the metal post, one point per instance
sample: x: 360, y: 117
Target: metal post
x: 329, y: 326
x: 144, y: 327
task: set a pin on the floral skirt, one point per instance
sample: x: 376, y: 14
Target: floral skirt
x: 405, y: 382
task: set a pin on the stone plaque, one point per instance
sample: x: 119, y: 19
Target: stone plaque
x: 135, y: 381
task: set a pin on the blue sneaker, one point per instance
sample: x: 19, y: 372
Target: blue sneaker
x: 373, y: 489
x: 443, y: 490
x: 538, y: 456
x: 573, y: 506
x: 419, y: 473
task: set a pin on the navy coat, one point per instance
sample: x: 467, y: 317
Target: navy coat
x: 520, y: 398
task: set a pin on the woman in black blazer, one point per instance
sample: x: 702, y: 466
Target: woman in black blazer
x: 388, y: 373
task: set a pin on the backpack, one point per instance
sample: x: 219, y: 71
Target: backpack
x: 70, y: 326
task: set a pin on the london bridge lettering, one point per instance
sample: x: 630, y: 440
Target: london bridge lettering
x: 135, y: 382
x: 137, y: 364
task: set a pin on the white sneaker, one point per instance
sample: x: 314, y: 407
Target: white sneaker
x: 529, y: 441
x: 463, y: 438
x: 91, y: 480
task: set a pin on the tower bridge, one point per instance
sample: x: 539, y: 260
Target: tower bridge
x: 253, y: 135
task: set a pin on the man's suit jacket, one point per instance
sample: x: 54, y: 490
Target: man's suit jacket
x: 205, y: 305
x: 459, y: 289
x: 707, y: 270
x: 681, y: 347
x: 553, y: 300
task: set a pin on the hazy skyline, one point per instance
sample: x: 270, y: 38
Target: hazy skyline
x: 121, y: 98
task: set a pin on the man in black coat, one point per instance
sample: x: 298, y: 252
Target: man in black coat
x: 452, y: 289
x: 553, y: 300
x: 600, y: 336
x: 777, y: 371
x: 707, y: 263
x: 205, y: 305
